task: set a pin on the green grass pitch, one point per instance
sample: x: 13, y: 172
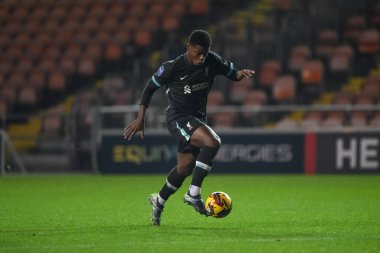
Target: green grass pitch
x: 271, y: 213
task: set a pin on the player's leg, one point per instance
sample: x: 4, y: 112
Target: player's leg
x: 174, y: 180
x: 209, y: 142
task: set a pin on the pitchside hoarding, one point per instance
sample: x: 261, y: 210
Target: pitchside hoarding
x: 243, y: 153
x: 348, y: 152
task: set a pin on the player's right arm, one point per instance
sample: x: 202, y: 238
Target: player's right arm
x: 161, y: 77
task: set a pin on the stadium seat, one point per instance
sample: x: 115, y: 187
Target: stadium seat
x: 286, y: 124
x: 269, y: 72
x: 52, y: 122
x: 327, y: 41
x: 8, y: 93
x: 333, y: 119
x: 254, y: 98
x: 358, y: 118
x: 56, y: 81
x: 312, y: 120
x: 46, y: 65
x: 312, y: 79
x: 177, y: 8
x: 375, y: 119
x: 298, y: 57
x: 143, y: 38
x: 198, y: 7
x: 354, y: 26
x: 215, y: 98
x: 240, y: 90
x: 343, y: 98
x: 284, y: 89
x: 87, y: 67
x: 170, y: 22
x: 67, y: 66
x: 27, y: 97
x: 117, y: 9
x: 224, y: 120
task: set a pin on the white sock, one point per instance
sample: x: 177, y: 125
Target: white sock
x: 194, y: 190
x: 160, y: 200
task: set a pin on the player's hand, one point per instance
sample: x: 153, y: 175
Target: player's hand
x: 245, y: 73
x: 135, y: 126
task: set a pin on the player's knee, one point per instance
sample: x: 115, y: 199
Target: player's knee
x: 215, y: 142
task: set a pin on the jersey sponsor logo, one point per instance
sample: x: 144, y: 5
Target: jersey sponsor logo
x: 160, y: 70
x: 187, y: 89
x: 200, y: 86
x: 181, y: 78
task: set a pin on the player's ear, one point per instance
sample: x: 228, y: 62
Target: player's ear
x: 188, y: 45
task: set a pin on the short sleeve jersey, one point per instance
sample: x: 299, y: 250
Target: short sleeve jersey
x: 187, y: 85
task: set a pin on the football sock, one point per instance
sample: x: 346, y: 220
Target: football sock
x: 203, y: 166
x: 160, y: 200
x: 173, y: 183
x: 194, y: 190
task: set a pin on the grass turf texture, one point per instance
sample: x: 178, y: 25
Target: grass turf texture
x: 112, y: 214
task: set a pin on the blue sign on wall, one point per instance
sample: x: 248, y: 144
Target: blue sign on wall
x: 243, y: 153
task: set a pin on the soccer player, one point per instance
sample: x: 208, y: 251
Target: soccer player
x: 187, y: 80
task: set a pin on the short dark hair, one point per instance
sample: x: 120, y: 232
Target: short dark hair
x: 201, y: 38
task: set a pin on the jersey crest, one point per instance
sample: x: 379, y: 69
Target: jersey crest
x: 160, y: 70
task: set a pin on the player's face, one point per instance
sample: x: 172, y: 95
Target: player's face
x: 197, y: 54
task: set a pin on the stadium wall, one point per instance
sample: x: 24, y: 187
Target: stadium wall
x: 244, y: 152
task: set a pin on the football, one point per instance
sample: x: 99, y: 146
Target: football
x: 219, y: 204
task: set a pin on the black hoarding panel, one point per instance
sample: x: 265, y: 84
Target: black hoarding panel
x: 263, y: 153
x: 348, y: 153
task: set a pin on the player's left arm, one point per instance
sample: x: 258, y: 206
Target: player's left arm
x: 228, y: 69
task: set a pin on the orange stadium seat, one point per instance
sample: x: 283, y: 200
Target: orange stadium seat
x: 224, y: 120
x: 343, y: 98
x: 359, y: 118
x: 67, y: 65
x: 284, y: 89
x: 312, y: 73
x: 156, y: 9
x: 86, y: 67
x: 215, y: 98
x: 77, y: 12
x: 240, y: 90
x: 312, y: 120
x: 298, y: 57
x: 170, y: 22
x: 97, y: 11
x: 24, y: 66
x: 369, y: 42
x: 46, y: 65
x: 375, y: 120
x: 113, y: 52
x: 198, y: 7
x: 118, y: 9
x: 327, y: 41
x: 16, y: 79
x: 333, y: 119
x: 28, y: 96
x: 269, y: 72
x: 143, y: 38
x: 354, y: 26
x: 37, y: 79
x: 177, y: 8
x: 56, y: 81
x: 121, y: 37
x: 8, y: 93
